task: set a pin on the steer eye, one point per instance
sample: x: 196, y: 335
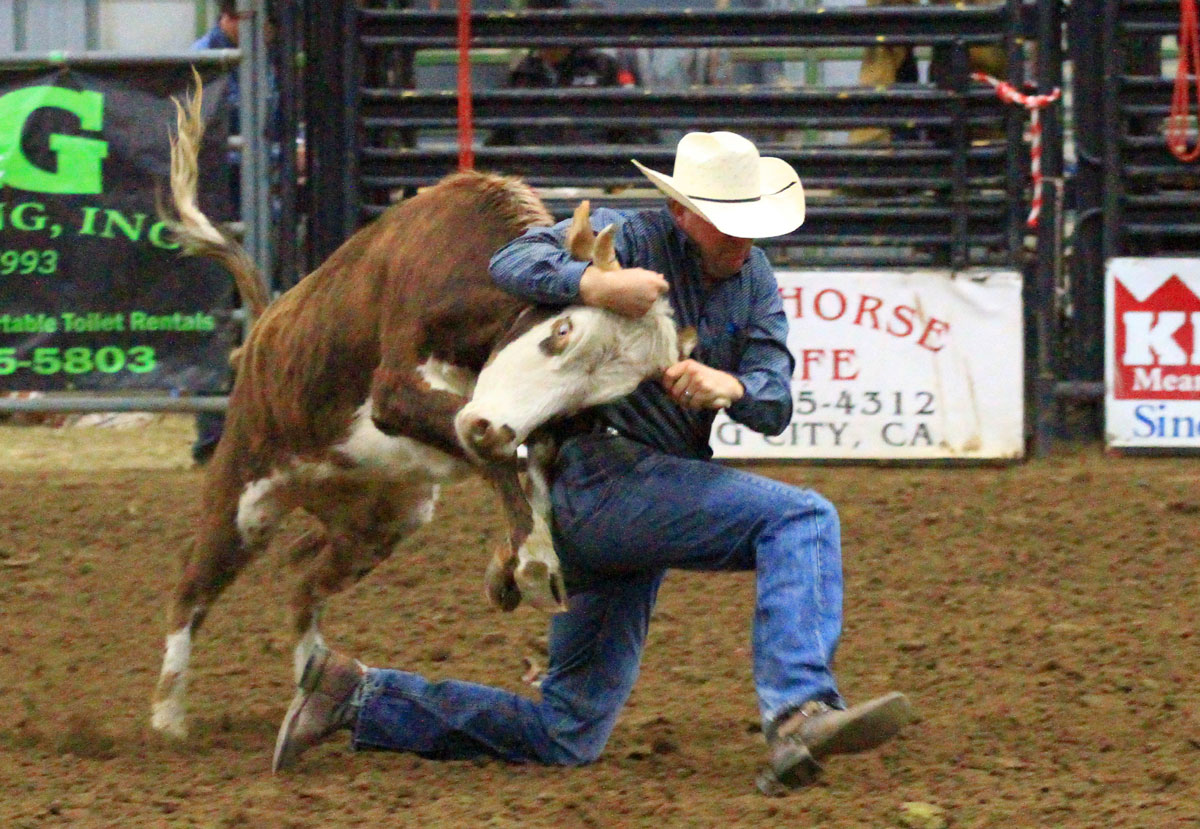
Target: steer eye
x: 560, y: 337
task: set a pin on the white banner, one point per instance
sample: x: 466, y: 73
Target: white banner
x: 912, y: 364
x: 1152, y: 353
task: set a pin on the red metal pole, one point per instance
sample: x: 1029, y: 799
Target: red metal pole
x: 466, y: 154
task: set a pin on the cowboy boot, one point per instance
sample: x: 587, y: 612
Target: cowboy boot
x: 800, y: 740
x: 320, y: 707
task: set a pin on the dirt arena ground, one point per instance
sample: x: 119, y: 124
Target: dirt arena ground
x: 1043, y: 618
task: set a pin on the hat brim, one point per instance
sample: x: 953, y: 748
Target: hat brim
x: 777, y: 212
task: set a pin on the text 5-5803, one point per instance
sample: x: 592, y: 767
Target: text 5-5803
x: 109, y: 359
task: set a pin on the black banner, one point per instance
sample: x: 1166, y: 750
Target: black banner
x: 93, y: 292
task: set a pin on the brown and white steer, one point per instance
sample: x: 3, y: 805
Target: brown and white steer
x: 349, y: 396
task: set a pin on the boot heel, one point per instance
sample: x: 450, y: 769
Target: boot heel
x: 804, y: 772
x: 310, y: 677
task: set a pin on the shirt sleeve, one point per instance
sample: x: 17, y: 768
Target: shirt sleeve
x: 766, y: 365
x: 536, y: 267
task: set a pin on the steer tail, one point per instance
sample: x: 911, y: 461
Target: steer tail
x: 193, y: 230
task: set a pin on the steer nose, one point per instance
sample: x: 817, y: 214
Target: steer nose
x: 486, y: 441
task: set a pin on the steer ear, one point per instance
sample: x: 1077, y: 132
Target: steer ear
x: 604, y: 255
x: 580, y: 239
x: 688, y: 340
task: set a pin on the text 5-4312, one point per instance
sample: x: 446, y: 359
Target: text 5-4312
x: 868, y: 403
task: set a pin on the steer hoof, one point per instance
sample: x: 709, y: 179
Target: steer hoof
x: 387, y: 427
x: 542, y: 587
x: 500, y: 586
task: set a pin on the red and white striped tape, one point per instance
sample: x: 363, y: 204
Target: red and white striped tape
x: 1033, y: 103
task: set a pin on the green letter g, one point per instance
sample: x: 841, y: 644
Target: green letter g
x: 78, y: 158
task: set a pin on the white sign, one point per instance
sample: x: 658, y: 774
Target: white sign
x: 913, y: 364
x: 1152, y: 353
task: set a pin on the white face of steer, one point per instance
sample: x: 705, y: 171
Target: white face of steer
x: 578, y: 358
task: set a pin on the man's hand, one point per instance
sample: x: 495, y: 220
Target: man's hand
x: 627, y: 291
x: 694, y: 385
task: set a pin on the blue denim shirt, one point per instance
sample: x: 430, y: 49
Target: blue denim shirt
x: 740, y: 320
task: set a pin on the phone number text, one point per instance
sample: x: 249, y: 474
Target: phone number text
x: 28, y: 261
x: 869, y: 404
x: 109, y: 359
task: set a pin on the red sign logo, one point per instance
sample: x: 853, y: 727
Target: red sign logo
x: 1156, y: 345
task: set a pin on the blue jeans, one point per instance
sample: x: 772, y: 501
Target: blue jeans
x: 623, y: 514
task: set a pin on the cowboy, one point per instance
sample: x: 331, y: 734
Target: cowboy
x: 635, y: 492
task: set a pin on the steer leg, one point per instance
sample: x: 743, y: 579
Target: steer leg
x: 220, y: 552
x: 364, y: 524
x: 500, y: 585
x: 405, y: 402
x: 539, y: 573
x: 528, y: 569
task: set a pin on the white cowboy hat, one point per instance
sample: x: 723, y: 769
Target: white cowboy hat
x: 721, y: 176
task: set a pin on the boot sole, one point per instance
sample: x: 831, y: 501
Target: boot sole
x: 873, y: 725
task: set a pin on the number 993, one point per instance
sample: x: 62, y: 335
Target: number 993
x: 28, y: 261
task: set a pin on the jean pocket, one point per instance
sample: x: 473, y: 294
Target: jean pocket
x: 589, y: 469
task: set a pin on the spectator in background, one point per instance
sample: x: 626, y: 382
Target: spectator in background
x: 557, y: 67
x: 884, y: 65
x: 669, y: 68
x: 676, y: 68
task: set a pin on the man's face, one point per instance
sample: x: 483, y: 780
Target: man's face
x: 229, y: 25
x: 721, y: 256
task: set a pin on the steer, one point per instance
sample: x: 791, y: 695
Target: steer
x: 349, y: 393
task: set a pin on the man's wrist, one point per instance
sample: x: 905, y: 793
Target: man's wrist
x: 591, y: 285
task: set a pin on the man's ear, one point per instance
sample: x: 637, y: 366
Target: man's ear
x: 688, y: 340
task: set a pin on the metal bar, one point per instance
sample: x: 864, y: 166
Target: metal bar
x: 287, y: 79
x: 1016, y: 158
x: 437, y: 108
x: 1178, y: 200
x: 1085, y: 33
x: 1089, y: 390
x: 1163, y: 28
x: 960, y: 79
x: 91, y: 24
x: 224, y: 58
x: 256, y: 175
x: 72, y: 403
x: 20, y: 23
x: 329, y: 148
x: 1133, y: 228
x: 609, y: 166
x: 1113, y: 62
x: 861, y: 26
x: 350, y: 69
x: 1048, y: 75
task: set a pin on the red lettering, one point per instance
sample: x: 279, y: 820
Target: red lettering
x: 902, y: 314
x: 842, y: 357
x: 934, y: 328
x: 795, y: 295
x: 818, y: 305
x: 874, y: 303
x: 810, y: 357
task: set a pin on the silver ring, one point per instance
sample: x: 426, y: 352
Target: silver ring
x: 687, y: 394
